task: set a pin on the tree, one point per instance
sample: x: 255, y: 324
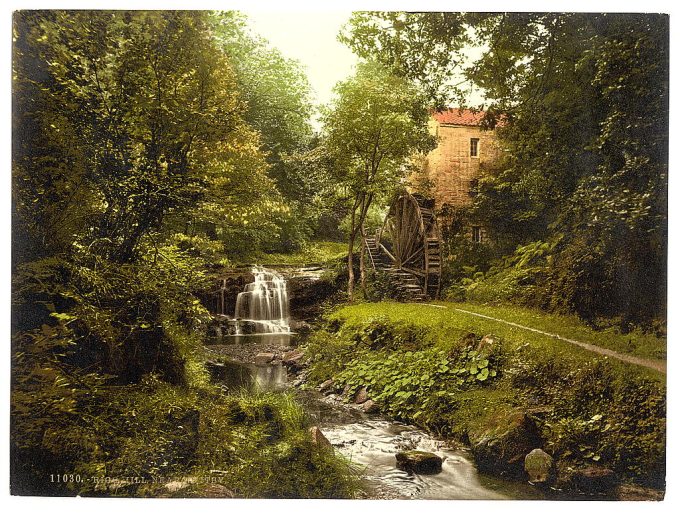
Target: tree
x: 277, y: 96
x: 584, y: 103
x: 126, y: 124
x: 376, y: 124
x: 129, y: 118
x: 421, y: 46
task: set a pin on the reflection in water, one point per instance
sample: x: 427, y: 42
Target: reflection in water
x: 235, y: 375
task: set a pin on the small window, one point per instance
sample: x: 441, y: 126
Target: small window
x: 477, y: 234
x: 474, y: 147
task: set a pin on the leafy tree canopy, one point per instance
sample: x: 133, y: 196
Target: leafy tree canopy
x: 375, y: 126
x: 124, y: 120
x: 583, y: 98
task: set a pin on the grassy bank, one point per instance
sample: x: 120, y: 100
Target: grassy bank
x: 157, y: 440
x: 449, y: 323
x: 434, y: 367
x: 314, y: 253
x: 645, y: 345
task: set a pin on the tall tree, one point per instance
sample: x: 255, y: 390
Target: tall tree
x: 124, y: 122
x: 121, y: 120
x: 584, y: 100
x: 278, y: 102
x: 376, y: 124
x: 422, y: 46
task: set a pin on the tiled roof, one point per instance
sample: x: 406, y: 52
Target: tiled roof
x: 459, y: 117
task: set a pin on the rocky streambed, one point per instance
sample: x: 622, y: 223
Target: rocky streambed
x: 397, y: 461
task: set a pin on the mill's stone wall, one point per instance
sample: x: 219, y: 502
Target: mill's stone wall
x: 450, y: 167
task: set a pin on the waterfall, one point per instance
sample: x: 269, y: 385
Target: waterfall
x: 264, y: 303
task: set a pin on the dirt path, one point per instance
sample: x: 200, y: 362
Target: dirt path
x: 657, y: 365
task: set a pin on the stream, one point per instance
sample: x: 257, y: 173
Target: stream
x: 261, y: 325
x: 369, y: 440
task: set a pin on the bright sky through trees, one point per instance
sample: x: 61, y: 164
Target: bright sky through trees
x: 309, y: 37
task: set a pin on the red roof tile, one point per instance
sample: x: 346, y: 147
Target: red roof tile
x: 459, y: 117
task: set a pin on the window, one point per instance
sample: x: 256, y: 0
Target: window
x: 477, y: 234
x: 474, y: 147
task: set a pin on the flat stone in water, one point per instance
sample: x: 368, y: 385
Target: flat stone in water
x: 264, y: 358
x: 419, y: 462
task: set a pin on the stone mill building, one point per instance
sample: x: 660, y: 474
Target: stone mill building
x: 452, y: 169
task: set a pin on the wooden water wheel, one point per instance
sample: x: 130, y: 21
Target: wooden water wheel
x: 410, y: 241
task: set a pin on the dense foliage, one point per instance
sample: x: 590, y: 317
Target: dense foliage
x: 583, y: 99
x: 376, y: 124
x: 137, y: 167
x: 155, y: 440
x: 278, y: 104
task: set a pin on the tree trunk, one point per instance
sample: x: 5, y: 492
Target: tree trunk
x: 350, y: 257
x: 362, y: 261
x: 350, y: 267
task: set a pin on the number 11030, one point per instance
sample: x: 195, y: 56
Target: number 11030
x: 65, y: 478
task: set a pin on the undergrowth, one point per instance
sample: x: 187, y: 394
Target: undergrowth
x: 435, y: 368
x: 132, y: 440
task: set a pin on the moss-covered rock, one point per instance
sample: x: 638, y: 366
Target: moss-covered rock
x: 539, y: 466
x: 500, y: 444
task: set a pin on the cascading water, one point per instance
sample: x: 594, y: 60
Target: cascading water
x: 264, y: 303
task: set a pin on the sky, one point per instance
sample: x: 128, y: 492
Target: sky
x: 309, y: 37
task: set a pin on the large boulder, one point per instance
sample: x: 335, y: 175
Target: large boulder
x: 539, y: 466
x: 264, y: 358
x: 500, y: 443
x: 419, y: 462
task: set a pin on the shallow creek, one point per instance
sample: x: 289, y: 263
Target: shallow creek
x: 370, y: 441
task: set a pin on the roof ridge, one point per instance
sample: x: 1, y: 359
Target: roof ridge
x: 459, y: 116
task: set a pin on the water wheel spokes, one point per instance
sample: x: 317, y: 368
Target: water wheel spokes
x: 410, y: 240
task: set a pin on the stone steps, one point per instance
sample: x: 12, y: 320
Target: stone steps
x: 406, y: 284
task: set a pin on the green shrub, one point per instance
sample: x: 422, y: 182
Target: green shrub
x: 257, y: 443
